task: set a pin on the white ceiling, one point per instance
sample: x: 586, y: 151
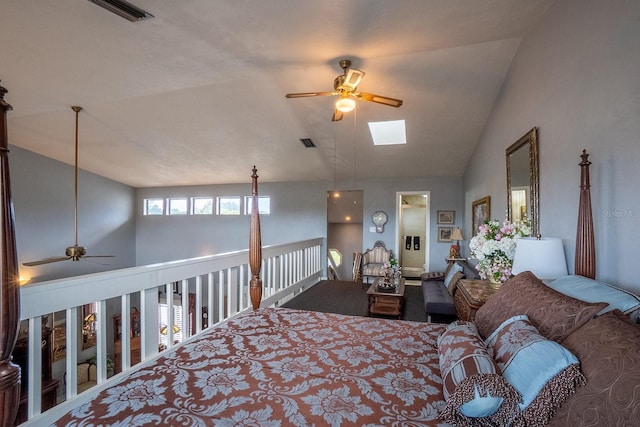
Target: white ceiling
x: 196, y: 95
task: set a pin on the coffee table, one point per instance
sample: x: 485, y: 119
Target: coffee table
x: 389, y: 304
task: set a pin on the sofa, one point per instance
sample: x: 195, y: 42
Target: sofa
x: 438, y: 289
x: 87, y: 376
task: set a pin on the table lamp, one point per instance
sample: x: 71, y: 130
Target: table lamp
x: 454, y: 251
x: 543, y: 256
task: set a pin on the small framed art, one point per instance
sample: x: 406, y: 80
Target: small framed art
x: 444, y: 234
x: 446, y: 217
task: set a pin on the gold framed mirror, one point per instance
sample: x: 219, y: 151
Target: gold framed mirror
x: 523, y: 180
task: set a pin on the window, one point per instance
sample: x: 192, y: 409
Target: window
x: 201, y: 205
x: 264, y: 205
x: 177, y: 206
x: 228, y: 205
x: 153, y: 206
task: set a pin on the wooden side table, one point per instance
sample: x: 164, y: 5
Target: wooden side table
x: 389, y: 304
x: 470, y: 296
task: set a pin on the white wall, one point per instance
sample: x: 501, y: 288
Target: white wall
x: 575, y: 76
x: 43, y: 196
x: 298, y: 211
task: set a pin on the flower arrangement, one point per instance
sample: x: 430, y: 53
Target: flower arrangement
x: 494, y: 247
x: 391, y: 269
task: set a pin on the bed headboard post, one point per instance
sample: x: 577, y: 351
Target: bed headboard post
x: 9, y: 283
x: 585, y: 247
x: 255, y: 245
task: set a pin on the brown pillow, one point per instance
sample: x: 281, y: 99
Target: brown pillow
x: 608, y: 348
x: 555, y: 315
x: 454, y: 282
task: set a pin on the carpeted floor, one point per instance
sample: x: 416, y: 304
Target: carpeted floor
x: 343, y: 297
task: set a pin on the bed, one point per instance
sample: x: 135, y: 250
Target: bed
x: 277, y: 366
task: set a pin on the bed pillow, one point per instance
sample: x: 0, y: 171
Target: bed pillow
x: 542, y: 371
x: 475, y: 392
x: 554, y: 314
x: 609, y: 351
x: 590, y: 290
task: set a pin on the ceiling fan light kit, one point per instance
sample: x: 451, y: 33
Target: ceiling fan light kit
x: 345, y: 86
x: 345, y: 105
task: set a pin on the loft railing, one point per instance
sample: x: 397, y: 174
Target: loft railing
x: 218, y: 284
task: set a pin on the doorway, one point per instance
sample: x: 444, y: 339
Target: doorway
x: 413, y: 232
x: 344, y: 230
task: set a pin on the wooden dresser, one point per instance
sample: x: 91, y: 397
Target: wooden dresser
x: 470, y: 296
x: 49, y: 391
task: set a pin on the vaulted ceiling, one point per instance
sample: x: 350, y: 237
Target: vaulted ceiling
x: 196, y: 94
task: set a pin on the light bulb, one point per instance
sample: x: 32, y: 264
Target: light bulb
x: 345, y: 105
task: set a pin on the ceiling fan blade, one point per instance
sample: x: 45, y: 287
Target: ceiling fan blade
x: 307, y: 94
x: 99, y: 256
x: 337, y: 115
x: 352, y: 79
x: 46, y: 261
x: 392, y: 102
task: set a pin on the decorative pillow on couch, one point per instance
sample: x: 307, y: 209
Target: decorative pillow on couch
x: 555, y: 315
x: 542, y: 371
x: 475, y: 392
x: 454, y: 273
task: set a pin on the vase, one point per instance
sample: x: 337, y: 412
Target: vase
x: 494, y: 283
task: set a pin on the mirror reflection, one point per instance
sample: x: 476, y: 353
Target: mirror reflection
x: 522, y: 180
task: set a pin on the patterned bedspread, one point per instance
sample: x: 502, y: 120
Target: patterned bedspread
x: 281, y: 367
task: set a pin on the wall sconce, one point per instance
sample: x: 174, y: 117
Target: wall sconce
x: 165, y: 329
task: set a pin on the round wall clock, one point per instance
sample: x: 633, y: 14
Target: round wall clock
x: 379, y: 219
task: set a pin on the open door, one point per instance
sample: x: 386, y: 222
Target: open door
x: 413, y: 233
x: 344, y: 229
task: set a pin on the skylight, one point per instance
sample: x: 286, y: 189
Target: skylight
x: 388, y: 133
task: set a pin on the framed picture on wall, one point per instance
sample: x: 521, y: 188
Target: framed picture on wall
x: 481, y: 212
x: 446, y: 217
x: 444, y: 234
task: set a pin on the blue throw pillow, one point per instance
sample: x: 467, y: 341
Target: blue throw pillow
x: 452, y: 272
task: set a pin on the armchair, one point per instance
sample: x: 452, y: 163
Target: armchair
x: 373, y: 260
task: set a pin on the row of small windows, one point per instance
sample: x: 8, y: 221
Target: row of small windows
x: 227, y: 205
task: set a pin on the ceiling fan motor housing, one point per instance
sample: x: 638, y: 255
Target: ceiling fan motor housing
x: 76, y: 252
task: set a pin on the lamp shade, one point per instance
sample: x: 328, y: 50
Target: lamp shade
x: 544, y: 257
x: 457, y: 234
x: 345, y: 105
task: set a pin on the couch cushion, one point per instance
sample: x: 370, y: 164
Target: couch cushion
x: 608, y: 348
x: 555, y: 315
x: 437, y: 299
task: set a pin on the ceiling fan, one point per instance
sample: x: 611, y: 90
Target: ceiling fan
x: 75, y: 252
x: 345, y: 86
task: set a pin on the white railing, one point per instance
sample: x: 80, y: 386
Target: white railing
x: 218, y: 283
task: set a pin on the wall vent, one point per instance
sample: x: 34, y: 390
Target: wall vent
x: 307, y: 142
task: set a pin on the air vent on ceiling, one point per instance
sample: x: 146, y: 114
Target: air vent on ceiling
x: 307, y: 142
x: 124, y: 9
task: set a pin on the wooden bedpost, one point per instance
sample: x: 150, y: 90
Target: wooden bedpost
x: 255, y: 245
x: 585, y: 264
x: 9, y: 283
